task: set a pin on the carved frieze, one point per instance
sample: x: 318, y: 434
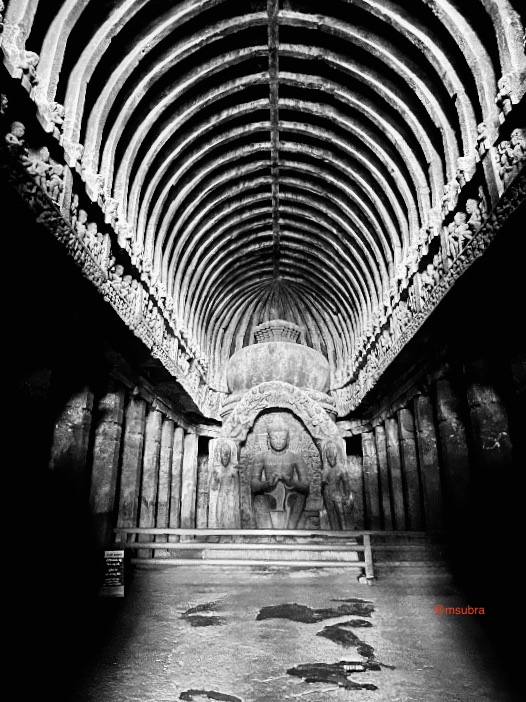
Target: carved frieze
x: 30, y: 174
x: 403, y: 323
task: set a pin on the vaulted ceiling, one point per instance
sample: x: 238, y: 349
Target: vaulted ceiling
x: 274, y: 159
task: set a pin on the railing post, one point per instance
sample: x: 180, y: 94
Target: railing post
x: 368, y: 557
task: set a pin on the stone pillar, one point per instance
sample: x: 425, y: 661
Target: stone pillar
x: 201, y: 516
x: 165, y: 477
x: 175, y: 492
x: 71, y: 437
x: 517, y: 365
x: 492, y: 447
x: 429, y: 466
x: 189, y: 482
x: 489, y: 421
x: 105, y: 464
x: 133, y: 445
x: 395, y: 472
x: 355, y: 468
x: 370, y: 479
x: 453, y: 452
x: 383, y: 472
x: 150, y: 476
x: 411, y: 476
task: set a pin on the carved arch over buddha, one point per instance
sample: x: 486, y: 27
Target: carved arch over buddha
x: 279, y: 395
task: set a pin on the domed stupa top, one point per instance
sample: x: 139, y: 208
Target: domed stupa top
x: 277, y: 355
x: 277, y: 330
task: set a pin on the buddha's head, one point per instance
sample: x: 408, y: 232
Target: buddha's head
x: 224, y: 453
x: 332, y: 453
x: 278, y: 435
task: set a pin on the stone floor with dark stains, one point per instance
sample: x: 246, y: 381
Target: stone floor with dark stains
x: 205, y: 633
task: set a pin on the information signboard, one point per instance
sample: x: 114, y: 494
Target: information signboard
x: 113, y: 578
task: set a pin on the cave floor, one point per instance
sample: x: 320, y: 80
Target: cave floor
x: 266, y: 635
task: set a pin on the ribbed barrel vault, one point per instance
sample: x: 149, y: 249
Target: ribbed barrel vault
x: 273, y: 159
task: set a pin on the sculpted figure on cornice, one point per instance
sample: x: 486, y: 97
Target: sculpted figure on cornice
x: 15, y: 142
x: 93, y: 240
x: 518, y: 143
x: 428, y: 279
x: 482, y: 139
x: 458, y: 235
x: 146, y: 270
x: 40, y: 166
x: 28, y: 63
x: 136, y: 254
x: 110, y: 209
x: 411, y: 298
x: 55, y: 182
x: 503, y: 99
x: 47, y: 173
x: 54, y: 112
x: 512, y: 155
x: 73, y: 151
x: 450, y: 197
x: 401, y: 318
x: 81, y: 224
x: 506, y: 166
x: 466, y: 166
x: 387, y: 302
x: 115, y: 275
x: 475, y: 214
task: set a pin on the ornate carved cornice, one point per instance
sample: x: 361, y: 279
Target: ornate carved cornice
x: 349, y: 398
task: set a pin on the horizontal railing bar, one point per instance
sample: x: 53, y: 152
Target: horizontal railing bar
x: 238, y: 532
x: 265, y: 532
x: 195, y: 545
x: 232, y: 561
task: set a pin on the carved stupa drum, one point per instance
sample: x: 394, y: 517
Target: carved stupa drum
x: 277, y: 355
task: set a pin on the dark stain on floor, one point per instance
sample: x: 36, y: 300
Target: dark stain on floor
x: 336, y: 673
x: 202, y: 615
x: 341, y: 634
x: 358, y: 623
x: 195, y: 695
x: 308, y: 615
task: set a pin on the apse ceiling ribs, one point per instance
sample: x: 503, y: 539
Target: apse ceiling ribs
x: 273, y: 158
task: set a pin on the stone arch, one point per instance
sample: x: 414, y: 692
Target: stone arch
x: 280, y: 395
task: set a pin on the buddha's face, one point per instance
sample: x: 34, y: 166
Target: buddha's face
x: 224, y: 454
x: 278, y: 438
x: 331, y: 454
